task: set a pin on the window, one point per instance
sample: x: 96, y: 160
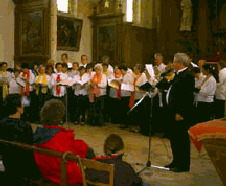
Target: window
x: 129, y: 10
x: 62, y: 5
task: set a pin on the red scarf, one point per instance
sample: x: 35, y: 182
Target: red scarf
x: 131, y: 101
x: 104, y: 158
x: 58, y: 87
x: 27, y: 88
x: 119, y: 75
x: 95, y: 90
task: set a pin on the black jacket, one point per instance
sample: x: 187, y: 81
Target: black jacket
x: 17, y: 161
x: 181, y: 95
x: 124, y: 173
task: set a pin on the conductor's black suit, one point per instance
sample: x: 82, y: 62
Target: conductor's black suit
x: 180, y: 101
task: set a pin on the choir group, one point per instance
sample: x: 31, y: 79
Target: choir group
x: 95, y: 93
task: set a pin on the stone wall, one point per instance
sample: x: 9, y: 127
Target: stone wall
x: 7, y: 31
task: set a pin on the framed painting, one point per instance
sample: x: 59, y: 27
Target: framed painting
x: 68, y: 33
x: 32, y: 25
x: 106, y: 41
x: 31, y: 33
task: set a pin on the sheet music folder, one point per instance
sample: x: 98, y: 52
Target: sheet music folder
x: 146, y: 87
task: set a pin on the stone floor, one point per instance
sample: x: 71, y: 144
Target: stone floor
x: 136, y: 153
x: 202, y: 170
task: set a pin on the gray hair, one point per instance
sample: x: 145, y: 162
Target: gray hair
x: 140, y: 67
x: 40, y: 66
x: 159, y: 55
x: 182, y: 57
x: 98, y: 66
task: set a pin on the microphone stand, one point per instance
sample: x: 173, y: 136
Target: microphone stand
x: 66, y: 105
x: 148, y: 163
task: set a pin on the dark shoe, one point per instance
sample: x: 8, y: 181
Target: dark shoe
x: 171, y: 165
x: 177, y: 169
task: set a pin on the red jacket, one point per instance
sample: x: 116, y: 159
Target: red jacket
x: 57, y: 138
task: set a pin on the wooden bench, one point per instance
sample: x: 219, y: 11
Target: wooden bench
x: 67, y: 156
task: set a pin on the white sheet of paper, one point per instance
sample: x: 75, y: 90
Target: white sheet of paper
x: 127, y: 87
x: 150, y: 70
x: 79, y: 82
x: 67, y: 82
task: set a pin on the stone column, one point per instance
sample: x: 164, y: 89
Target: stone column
x: 53, y: 30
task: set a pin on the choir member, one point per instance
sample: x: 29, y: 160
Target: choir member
x: 14, y: 87
x: 127, y: 78
x: 49, y: 70
x: 65, y: 68
x: 84, y: 60
x: 106, y: 72
x: 35, y: 69
x: 139, y: 79
x: 80, y: 99
x: 160, y: 66
x: 5, y: 77
x: 27, y: 82
x: 18, y: 67
x: 106, y: 60
x: 206, y: 94
x: 115, y: 96
x: 89, y: 70
x: 75, y: 71
x: 42, y: 87
x: 199, y: 78
x: 58, y: 91
x: 64, y: 58
x: 98, y: 86
x: 221, y: 91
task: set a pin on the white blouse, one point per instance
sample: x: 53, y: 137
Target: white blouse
x: 31, y: 81
x: 81, y: 88
x: 14, y: 87
x: 207, y: 91
x: 53, y: 84
x: 139, y: 82
x: 103, y: 85
x: 221, y: 86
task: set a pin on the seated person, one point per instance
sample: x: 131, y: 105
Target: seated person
x: 19, y: 163
x: 124, y: 173
x: 54, y: 137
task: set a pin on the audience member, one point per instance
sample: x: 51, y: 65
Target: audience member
x: 54, y: 137
x: 19, y: 163
x: 124, y: 173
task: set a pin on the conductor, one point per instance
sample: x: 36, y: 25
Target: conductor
x: 180, y: 104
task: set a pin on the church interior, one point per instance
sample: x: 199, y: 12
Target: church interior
x: 43, y: 33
